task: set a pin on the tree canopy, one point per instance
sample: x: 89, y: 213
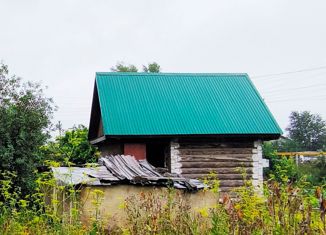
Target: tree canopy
x: 72, y: 147
x: 307, y: 130
x: 25, y: 119
x: 150, y: 68
x: 122, y: 67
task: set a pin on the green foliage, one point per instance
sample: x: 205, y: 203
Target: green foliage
x: 162, y: 213
x: 50, y: 209
x: 150, y: 68
x: 72, y: 147
x: 25, y: 115
x: 285, y: 170
x: 284, y: 208
x: 281, y: 169
x: 290, y: 211
x: 220, y: 221
x: 122, y: 67
x: 286, y: 145
x: 314, y: 170
x: 308, y: 130
x: 249, y: 214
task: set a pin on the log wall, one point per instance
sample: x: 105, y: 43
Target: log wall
x: 228, y: 159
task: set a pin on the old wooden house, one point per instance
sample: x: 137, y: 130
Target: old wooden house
x: 190, y: 124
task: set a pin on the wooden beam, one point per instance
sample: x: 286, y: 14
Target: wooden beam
x: 215, y: 151
x: 216, y: 158
x: 306, y: 154
x: 98, y: 140
x: 214, y: 164
x: 198, y: 145
x: 218, y: 171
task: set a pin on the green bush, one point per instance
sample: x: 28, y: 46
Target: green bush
x: 281, y: 168
x: 314, y: 170
x: 72, y: 147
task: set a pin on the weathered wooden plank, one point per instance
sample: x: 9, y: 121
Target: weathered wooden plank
x: 227, y: 149
x: 212, y: 151
x: 217, y: 158
x: 214, y: 164
x: 219, y: 176
x: 231, y: 183
x: 215, y: 151
x: 232, y: 176
x: 218, y: 171
x: 195, y: 176
x: 217, y: 144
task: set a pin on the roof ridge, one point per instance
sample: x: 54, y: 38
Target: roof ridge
x: 166, y: 74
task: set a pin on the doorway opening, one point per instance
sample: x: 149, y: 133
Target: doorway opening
x: 158, y: 153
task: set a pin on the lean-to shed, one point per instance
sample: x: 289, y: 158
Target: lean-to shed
x: 190, y: 124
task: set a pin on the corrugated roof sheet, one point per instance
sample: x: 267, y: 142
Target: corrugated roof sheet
x: 82, y: 175
x: 182, y: 104
x: 121, y: 169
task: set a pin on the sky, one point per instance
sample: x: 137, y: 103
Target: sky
x: 281, y: 44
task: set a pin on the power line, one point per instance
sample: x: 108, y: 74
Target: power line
x: 319, y: 85
x: 297, y: 98
x: 290, y: 72
x: 306, y: 95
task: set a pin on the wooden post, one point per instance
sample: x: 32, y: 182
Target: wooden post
x: 297, y: 159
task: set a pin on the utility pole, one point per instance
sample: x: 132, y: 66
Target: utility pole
x: 59, y: 127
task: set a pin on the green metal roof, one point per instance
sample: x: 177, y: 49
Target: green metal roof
x: 181, y: 104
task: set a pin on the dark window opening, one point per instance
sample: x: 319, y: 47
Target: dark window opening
x: 158, y: 153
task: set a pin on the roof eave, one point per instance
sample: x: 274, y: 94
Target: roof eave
x: 98, y: 140
x: 262, y: 136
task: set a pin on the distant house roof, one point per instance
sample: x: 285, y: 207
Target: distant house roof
x: 141, y: 104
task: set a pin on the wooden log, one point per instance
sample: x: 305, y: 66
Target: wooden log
x: 206, y: 150
x: 218, y: 171
x: 216, y: 158
x: 231, y: 183
x: 228, y: 191
x: 212, y: 151
x: 216, y: 144
x: 215, y: 164
x: 234, y: 176
x: 219, y: 176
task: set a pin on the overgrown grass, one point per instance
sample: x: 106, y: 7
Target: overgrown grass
x: 283, y: 208
x: 52, y: 209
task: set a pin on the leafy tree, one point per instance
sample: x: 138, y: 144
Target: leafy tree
x: 152, y: 68
x: 122, y: 67
x: 286, y: 145
x: 72, y: 147
x: 307, y: 130
x: 25, y: 115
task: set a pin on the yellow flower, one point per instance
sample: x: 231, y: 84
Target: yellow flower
x: 204, y: 212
